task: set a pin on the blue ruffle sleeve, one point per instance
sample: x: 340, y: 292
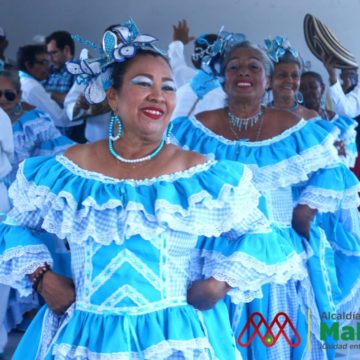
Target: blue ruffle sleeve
x: 34, y: 135
x: 21, y: 253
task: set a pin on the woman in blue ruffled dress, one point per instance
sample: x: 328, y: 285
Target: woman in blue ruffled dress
x: 33, y: 134
x: 289, y: 157
x: 155, y: 232
x: 331, y: 190
x: 312, y: 88
x: 287, y: 95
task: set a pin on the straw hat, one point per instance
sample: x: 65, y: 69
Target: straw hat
x: 320, y: 39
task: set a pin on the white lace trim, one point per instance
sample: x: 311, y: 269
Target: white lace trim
x: 60, y: 215
x: 307, y: 296
x: 351, y: 303
x: 326, y: 200
x: 161, y: 350
x: 198, y: 124
x: 289, y: 171
x: 346, y: 252
x: 40, y: 129
x: 245, y: 287
x: 92, y: 175
x: 308, y: 302
x: 21, y: 250
x: 14, y: 272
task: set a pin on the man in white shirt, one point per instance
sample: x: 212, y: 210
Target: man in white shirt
x: 33, y: 65
x: 182, y: 72
x: 96, y: 117
x: 344, y: 103
x: 197, y: 91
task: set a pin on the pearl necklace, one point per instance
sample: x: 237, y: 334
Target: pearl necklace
x: 240, y: 123
x: 138, y: 160
x: 134, y: 161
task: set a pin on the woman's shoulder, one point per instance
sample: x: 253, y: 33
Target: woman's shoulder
x: 184, y: 159
x: 211, y: 118
x: 306, y: 113
x: 277, y: 121
x: 83, y: 154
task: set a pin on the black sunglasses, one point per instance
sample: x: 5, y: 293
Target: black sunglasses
x: 8, y: 94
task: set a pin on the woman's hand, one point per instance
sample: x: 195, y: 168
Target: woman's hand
x: 204, y: 294
x: 328, y: 62
x: 302, y: 218
x: 181, y: 32
x: 340, y: 147
x: 58, y: 291
x: 81, y: 104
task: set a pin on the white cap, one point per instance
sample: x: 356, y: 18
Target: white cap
x: 2, y: 32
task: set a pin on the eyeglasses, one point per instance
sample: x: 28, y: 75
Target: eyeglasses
x: 42, y: 62
x: 9, y: 95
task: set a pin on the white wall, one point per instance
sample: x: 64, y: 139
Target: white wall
x: 258, y: 19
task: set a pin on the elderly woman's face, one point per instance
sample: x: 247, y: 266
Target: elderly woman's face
x: 147, y: 97
x: 312, y: 91
x: 286, y: 79
x: 245, y: 76
x: 8, y: 95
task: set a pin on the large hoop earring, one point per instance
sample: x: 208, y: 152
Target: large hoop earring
x: 115, y: 119
x: 299, y: 97
x: 168, y: 133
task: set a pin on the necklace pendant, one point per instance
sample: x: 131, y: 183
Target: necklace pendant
x: 243, y: 123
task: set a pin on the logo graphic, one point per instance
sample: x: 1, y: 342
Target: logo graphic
x: 269, y: 338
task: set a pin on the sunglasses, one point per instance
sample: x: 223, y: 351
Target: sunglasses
x: 9, y: 95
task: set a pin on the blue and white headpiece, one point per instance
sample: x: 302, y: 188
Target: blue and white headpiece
x: 211, y: 62
x: 118, y: 45
x: 276, y: 48
x: 2, y: 66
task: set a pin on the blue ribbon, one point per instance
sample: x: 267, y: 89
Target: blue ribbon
x: 277, y: 48
x: 202, y: 83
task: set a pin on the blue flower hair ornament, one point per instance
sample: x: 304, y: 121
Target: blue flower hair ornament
x: 118, y: 45
x: 277, y: 47
x: 211, y: 63
x: 122, y: 42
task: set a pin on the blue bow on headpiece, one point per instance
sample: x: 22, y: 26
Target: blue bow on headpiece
x: 2, y: 65
x: 277, y: 48
x: 212, y: 60
x: 119, y: 44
